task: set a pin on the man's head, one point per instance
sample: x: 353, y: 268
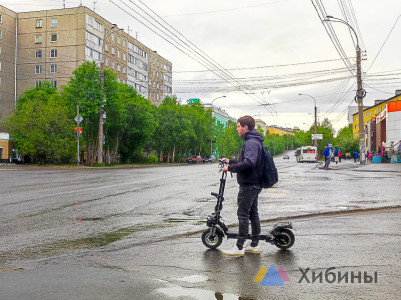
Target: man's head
x: 325, y: 146
x: 245, y: 124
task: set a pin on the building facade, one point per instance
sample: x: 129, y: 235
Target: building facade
x: 370, y: 113
x: 51, y: 44
x: 273, y: 129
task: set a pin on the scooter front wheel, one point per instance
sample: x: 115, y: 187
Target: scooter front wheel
x: 285, y: 239
x: 211, y: 241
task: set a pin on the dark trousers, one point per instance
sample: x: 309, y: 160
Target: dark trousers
x: 248, y: 211
x: 326, y: 161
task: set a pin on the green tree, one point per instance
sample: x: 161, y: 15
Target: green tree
x: 134, y: 123
x: 42, y: 126
x: 346, y: 141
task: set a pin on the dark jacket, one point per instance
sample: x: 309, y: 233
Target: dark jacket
x: 249, y: 159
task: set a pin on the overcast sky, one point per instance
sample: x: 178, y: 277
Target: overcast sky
x: 267, y: 51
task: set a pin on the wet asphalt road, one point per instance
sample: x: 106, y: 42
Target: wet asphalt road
x: 118, y: 233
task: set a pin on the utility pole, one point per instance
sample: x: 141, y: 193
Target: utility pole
x: 78, y: 121
x: 360, y: 106
x: 314, y: 141
x: 360, y: 92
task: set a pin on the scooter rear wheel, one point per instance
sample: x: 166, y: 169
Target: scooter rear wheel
x: 285, y: 239
x: 211, y: 241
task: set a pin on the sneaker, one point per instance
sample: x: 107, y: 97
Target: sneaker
x: 234, y: 251
x: 250, y: 249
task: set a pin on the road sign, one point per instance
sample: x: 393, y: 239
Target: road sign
x: 317, y: 136
x: 80, y: 119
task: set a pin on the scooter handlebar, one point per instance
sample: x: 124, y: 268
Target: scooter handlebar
x: 222, y: 163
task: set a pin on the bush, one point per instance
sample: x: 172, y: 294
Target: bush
x: 152, y: 159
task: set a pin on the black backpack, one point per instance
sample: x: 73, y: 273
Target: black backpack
x: 268, y: 174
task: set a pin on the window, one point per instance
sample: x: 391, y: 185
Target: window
x: 53, y: 23
x: 0, y: 65
x: 53, y: 69
x: 39, y: 23
x: 53, y: 37
x: 1, y: 18
x: 118, y: 40
x: 124, y: 70
x: 53, y: 53
x: 112, y: 64
x: 92, y: 53
x: 124, y: 43
x: 38, y: 69
x: 38, y: 39
x: 38, y: 53
x: 93, y: 38
x: 118, y: 67
x: 113, y: 37
x: 113, y: 51
x: 118, y: 54
x: 0, y: 49
x: 38, y: 83
x: 54, y: 83
x: 124, y: 56
x: 1, y: 34
x: 106, y: 61
x: 106, y: 47
x: 95, y: 24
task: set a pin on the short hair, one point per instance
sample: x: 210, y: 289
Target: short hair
x: 247, y: 120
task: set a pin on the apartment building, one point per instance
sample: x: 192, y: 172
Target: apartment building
x: 273, y: 129
x: 51, y: 44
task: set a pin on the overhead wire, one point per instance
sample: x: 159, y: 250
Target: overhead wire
x: 199, y: 54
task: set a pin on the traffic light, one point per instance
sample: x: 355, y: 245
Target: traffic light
x: 76, y: 131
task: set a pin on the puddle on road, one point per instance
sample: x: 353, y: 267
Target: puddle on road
x: 194, y: 293
x: 63, y: 245
x: 193, y: 278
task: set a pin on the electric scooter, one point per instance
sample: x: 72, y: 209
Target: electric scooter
x: 281, y: 234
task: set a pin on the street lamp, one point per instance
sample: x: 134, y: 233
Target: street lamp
x: 217, y: 98
x: 360, y: 91
x: 314, y: 141
x: 101, y: 112
x: 211, y: 107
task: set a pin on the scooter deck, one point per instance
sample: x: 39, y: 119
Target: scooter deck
x: 263, y: 237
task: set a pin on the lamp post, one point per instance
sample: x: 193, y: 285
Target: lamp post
x: 360, y: 91
x: 211, y: 107
x: 216, y: 99
x: 314, y: 141
x: 101, y: 112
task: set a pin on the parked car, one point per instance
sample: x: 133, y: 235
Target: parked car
x: 195, y: 159
x: 209, y: 158
x: 285, y: 156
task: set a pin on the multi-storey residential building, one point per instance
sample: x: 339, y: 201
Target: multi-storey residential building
x: 51, y: 44
x: 273, y: 129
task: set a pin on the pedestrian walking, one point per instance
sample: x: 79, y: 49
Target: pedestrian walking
x: 355, y: 156
x: 340, y: 155
x: 326, y: 154
x: 247, y: 169
x: 336, y: 158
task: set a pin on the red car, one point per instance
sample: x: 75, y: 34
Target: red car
x: 194, y: 159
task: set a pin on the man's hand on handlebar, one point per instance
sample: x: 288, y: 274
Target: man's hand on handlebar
x: 225, y: 162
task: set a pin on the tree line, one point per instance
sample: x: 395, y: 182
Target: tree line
x: 135, y: 130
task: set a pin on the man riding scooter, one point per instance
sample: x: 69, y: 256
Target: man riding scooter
x: 249, y: 187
